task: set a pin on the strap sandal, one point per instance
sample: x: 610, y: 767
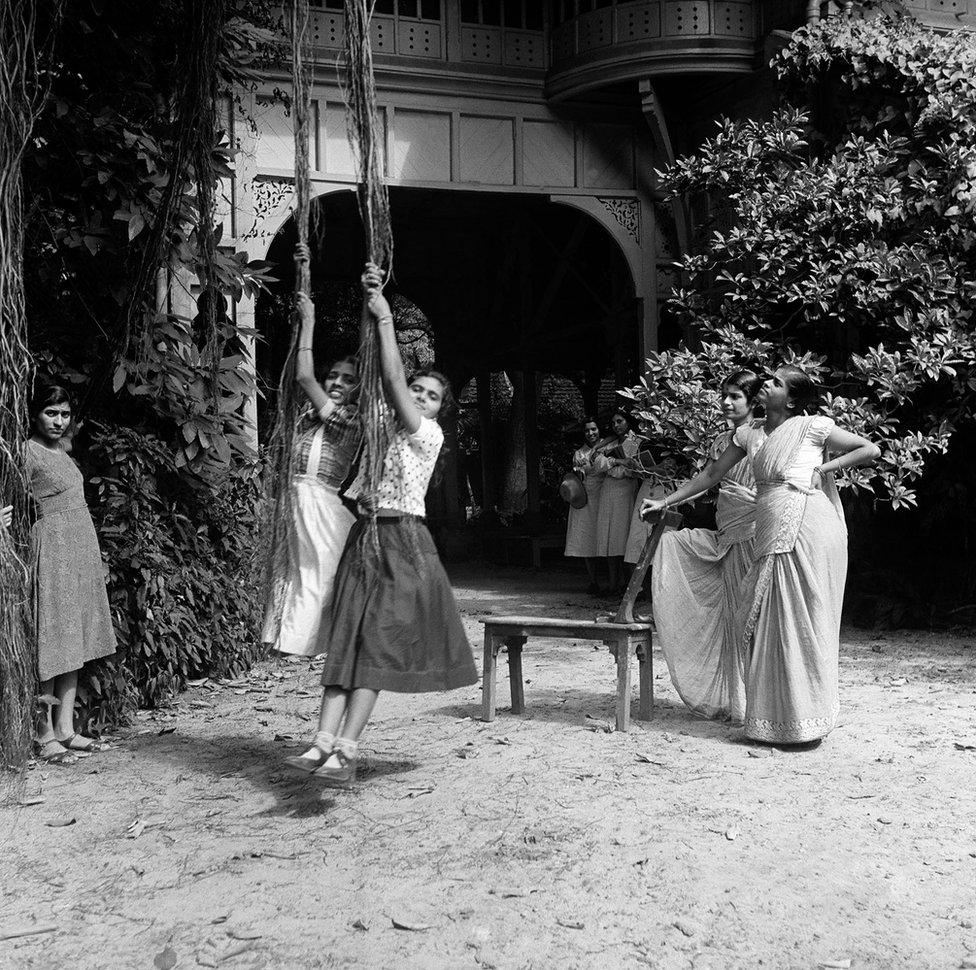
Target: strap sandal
x: 342, y: 775
x: 53, y: 752
x: 316, y: 755
x: 79, y: 743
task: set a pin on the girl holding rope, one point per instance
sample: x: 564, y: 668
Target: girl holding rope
x: 787, y: 622
x: 329, y: 434
x: 393, y: 623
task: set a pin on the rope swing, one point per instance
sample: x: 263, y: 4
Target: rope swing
x: 365, y: 138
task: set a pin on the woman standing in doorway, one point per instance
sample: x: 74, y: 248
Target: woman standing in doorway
x: 697, y: 577
x: 616, y: 505
x: 74, y: 623
x: 788, y: 618
x: 581, y: 530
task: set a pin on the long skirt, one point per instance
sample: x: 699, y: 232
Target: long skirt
x: 321, y: 526
x: 394, y: 624
x: 613, y: 517
x: 639, y: 529
x: 789, y: 620
x: 581, y: 528
x: 695, y: 589
x: 74, y: 623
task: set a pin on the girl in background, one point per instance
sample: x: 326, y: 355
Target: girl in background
x: 616, y: 496
x: 581, y: 529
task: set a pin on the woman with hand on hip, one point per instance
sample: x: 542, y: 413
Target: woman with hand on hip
x: 788, y: 619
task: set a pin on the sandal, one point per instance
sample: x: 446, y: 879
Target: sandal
x: 53, y: 752
x: 343, y: 776
x: 315, y: 757
x: 78, y: 742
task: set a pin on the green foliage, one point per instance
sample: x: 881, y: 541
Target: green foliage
x: 181, y: 586
x: 852, y: 246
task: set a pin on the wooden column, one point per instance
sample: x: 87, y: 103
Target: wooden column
x: 531, y: 405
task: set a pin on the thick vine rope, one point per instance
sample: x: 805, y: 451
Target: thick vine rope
x: 278, y: 498
x: 22, y: 96
x: 365, y: 133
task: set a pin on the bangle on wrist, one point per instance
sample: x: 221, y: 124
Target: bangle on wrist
x: 304, y: 348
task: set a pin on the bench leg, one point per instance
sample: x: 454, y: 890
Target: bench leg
x: 645, y: 667
x: 514, y: 647
x: 488, y: 685
x: 621, y: 650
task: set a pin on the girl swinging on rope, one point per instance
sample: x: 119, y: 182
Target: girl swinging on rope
x: 328, y: 436
x: 393, y: 622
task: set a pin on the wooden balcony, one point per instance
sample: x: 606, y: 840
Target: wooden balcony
x: 632, y: 39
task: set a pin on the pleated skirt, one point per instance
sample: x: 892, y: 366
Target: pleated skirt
x: 321, y: 527
x: 393, y: 622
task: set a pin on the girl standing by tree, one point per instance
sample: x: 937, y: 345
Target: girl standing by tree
x: 697, y: 577
x: 616, y: 497
x: 393, y: 623
x: 581, y: 528
x: 74, y: 623
x: 329, y: 435
x: 788, y: 618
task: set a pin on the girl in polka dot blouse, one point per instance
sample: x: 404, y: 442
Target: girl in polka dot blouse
x: 394, y: 624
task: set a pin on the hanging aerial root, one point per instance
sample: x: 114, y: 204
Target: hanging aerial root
x: 278, y: 509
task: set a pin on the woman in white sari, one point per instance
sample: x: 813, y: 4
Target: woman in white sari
x: 697, y: 574
x: 787, y: 624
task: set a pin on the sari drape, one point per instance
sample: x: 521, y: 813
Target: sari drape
x: 788, y: 621
x: 695, y: 583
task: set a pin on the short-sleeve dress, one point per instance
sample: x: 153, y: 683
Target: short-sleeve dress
x: 616, y: 504
x: 393, y: 623
x: 581, y: 527
x: 326, y: 446
x: 788, y: 619
x: 74, y: 622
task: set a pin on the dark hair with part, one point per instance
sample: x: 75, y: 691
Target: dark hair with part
x: 447, y: 398
x: 804, y: 393
x: 589, y: 420
x: 46, y: 393
x: 624, y: 415
x: 747, y: 381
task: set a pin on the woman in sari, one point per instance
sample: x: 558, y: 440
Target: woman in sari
x: 787, y: 622
x: 697, y: 574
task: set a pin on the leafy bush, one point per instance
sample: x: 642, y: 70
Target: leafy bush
x: 852, y: 246
x: 181, y: 589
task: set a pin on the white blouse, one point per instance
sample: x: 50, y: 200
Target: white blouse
x: 811, y: 454
x: 407, y: 468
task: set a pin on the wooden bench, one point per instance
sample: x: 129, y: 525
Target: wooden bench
x: 622, y: 635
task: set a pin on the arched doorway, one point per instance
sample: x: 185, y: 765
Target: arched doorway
x: 506, y: 283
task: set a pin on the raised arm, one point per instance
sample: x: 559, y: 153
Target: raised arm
x: 391, y: 364
x: 304, y: 362
x: 704, y: 481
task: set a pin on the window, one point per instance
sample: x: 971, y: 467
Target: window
x: 512, y: 14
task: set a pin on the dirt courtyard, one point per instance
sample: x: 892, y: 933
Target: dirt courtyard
x: 538, y: 841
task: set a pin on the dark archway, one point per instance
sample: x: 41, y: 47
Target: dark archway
x: 508, y: 282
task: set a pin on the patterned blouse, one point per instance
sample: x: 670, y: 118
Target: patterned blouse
x: 327, y: 444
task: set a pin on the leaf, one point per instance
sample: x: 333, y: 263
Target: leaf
x: 243, y: 933
x: 968, y: 744
x: 136, y: 225
x: 570, y: 924
x: 60, y: 823
x: 732, y: 833
x: 119, y: 378
x: 402, y: 923
x: 836, y: 964
x: 165, y: 959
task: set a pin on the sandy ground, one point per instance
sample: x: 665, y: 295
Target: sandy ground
x: 532, y: 842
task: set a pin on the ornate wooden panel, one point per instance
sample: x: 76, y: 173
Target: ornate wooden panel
x: 481, y: 44
x: 734, y: 20
x: 683, y: 17
x: 548, y: 153
x: 638, y: 21
x: 418, y: 39
x: 338, y: 155
x: 524, y: 48
x: 487, y: 150
x: 421, y: 146
x: 595, y: 29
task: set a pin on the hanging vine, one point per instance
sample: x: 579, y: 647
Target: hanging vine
x: 22, y: 96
